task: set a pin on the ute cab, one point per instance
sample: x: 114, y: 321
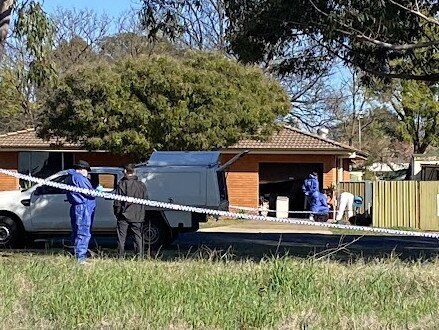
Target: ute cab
x: 43, y: 211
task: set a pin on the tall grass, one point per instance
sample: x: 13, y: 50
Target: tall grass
x: 54, y: 292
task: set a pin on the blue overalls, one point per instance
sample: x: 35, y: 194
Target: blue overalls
x: 321, y: 205
x: 311, y: 190
x: 82, y: 211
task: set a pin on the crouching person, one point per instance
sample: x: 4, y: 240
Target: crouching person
x: 130, y: 216
x: 320, y: 208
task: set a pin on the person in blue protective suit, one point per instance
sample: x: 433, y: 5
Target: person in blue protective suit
x: 320, y: 207
x: 82, y: 209
x: 310, y: 188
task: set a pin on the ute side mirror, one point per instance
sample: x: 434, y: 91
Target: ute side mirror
x: 39, y: 191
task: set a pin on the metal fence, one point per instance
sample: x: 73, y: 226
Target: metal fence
x: 407, y: 204
x: 396, y: 204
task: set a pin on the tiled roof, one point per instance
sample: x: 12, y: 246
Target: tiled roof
x: 27, y: 138
x: 290, y: 138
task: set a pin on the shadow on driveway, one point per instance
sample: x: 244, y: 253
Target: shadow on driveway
x: 254, y: 246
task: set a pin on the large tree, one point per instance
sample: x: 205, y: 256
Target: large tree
x: 377, y: 127
x: 11, y: 101
x: 416, y: 105
x: 26, y: 63
x: 197, y: 24
x: 300, y: 35
x: 189, y: 102
x: 5, y: 21
x: 33, y: 30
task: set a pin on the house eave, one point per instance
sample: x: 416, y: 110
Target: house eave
x: 338, y: 152
x: 46, y: 149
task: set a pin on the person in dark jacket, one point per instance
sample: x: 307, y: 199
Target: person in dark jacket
x: 130, y: 216
x: 82, y: 208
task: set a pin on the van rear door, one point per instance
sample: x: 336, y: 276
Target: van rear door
x: 233, y: 160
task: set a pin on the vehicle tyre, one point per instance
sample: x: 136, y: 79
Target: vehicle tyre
x: 10, y: 233
x: 156, y: 234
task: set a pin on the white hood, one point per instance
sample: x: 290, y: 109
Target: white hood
x: 11, y: 194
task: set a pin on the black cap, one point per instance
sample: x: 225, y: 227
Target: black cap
x: 82, y: 164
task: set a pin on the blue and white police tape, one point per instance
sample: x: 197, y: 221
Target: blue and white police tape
x: 177, y: 207
x: 262, y: 209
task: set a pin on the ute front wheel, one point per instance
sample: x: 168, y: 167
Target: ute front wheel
x: 10, y: 233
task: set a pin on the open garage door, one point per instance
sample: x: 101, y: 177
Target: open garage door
x: 286, y: 179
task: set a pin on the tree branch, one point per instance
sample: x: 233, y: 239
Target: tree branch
x: 416, y: 12
x: 397, y: 47
x: 354, y: 33
x: 433, y: 77
x: 296, y: 97
x: 406, y: 76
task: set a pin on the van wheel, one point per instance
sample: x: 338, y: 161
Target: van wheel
x: 156, y: 234
x: 10, y: 233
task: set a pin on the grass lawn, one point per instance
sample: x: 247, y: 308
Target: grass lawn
x: 54, y: 292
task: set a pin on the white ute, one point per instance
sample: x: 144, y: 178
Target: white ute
x: 187, y: 178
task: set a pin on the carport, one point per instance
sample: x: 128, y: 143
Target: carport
x: 278, y: 166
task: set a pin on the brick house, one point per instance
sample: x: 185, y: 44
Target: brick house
x: 279, y: 165
x: 24, y: 152
x: 271, y: 168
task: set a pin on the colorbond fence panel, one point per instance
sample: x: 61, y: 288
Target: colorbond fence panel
x: 396, y: 204
x: 429, y: 200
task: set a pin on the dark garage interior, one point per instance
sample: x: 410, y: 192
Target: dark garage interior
x: 286, y: 179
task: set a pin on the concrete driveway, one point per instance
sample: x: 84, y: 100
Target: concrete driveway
x: 251, y: 226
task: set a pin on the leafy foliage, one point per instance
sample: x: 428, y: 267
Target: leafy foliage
x: 10, y: 102
x: 378, y: 136
x: 197, y: 24
x: 35, y: 30
x: 417, y: 108
x: 196, y: 101
x: 26, y: 64
x: 300, y: 35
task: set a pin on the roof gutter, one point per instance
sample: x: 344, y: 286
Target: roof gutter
x: 347, y: 153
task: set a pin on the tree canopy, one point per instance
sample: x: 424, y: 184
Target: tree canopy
x: 370, y: 35
x: 191, y: 102
x: 416, y: 106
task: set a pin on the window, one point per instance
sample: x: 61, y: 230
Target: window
x: 106, y: 180
x: 42, y: 164
x: 48, y: 190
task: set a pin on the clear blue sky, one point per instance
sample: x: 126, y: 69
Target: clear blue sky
x: 111, y: 7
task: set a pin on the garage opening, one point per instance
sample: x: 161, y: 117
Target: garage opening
x: 286, y: 179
